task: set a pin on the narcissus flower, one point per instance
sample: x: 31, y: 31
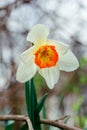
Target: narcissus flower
x: 46, y: 56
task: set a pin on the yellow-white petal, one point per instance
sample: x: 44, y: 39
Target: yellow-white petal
x: 68, y: 62
x: 61, y: 48
x: 38, y: 34
x: 51, y: 75
x: 25, y: 73
x: 27, y: 56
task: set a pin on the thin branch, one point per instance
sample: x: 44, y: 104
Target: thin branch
x: 17, y: 118
x: 29, y: 123
x: 56, y: 123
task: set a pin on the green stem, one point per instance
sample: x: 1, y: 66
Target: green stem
x: 31, y: 102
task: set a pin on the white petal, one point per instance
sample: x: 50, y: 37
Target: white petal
x: 68, y: 62
x: 61, y: 48
x: 51, y: 75
x: 38, y: 34
x: 25, y: 73
x: 27, y: 56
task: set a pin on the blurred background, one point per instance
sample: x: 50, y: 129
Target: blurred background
x: 67, y: 21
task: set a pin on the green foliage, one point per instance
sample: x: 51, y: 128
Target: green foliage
x: 83, y: 79
x: 9, y: 125
x: 31, y: 102
x: 33, y: 107
x: 77, y: 105
x: 83, y: 62
x: 43, y: 126
x: 41, y: 103
x: 71, y: 87
x: 82, y: 75
x: 75, y: 85
x: 80, y: 119
x: 31, y: 99
x: 66, y: 119
x: 39, y: 80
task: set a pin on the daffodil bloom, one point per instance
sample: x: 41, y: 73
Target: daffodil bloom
x: 46, y: 56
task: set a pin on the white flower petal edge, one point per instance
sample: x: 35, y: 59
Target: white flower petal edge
x: 38, y: 34
x: 61, y: 48
x: 27, y: 56
x: 68, y: 62
x: 25, y: 73
x: 51, y: 75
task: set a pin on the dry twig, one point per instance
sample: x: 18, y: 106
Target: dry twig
x: 17, y: 118
x: 56, y: 123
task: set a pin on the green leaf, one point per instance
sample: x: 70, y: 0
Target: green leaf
x: 44, y: 112
x: 9, y: 125
x: 66, y: 119
x: 41, y: 107
x: 31, y: 102
x: 41, y: 103
x: 43, y: 126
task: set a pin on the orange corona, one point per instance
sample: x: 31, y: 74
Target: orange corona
x: 46, y: 56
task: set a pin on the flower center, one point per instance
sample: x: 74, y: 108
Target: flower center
x: 46, y: 56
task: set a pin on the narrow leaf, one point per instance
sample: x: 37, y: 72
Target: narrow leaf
x: 43, y: 126
x: 41, y: 103
x: 66, y: 119
x: 60, y: 101
x: 31, y: 102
